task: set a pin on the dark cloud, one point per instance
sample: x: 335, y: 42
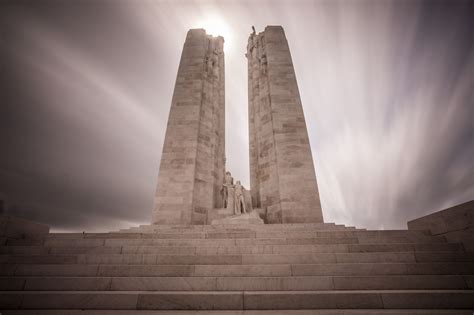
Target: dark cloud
x: 86, y: 87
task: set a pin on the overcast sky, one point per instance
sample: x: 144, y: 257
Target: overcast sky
x: 86, y: 87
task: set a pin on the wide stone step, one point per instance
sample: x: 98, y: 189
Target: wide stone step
x: 235, y: 227
x: 282, y: 249
x: 254, y: 227
x: 382, y: 269
x: 293, y: 283
x: 266, y: 227
x: 356, y: 258
x: 239, y: 259
x: 81, y: 242
x: 238, y: 300
x: 245, y: 234
x: 242, y: 312
x: 215, y: 250
x: 332, y: 269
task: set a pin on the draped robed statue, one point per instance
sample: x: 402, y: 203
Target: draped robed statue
x: 239, y: 200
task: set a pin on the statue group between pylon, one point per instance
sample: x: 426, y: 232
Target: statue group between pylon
x: 235, y: 197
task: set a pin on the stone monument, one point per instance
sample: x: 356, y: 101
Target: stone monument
x: 282, y: 176
x: 192, y: 163
x: 192, y: 180
x: 236, y: 264
x: 228, y: 191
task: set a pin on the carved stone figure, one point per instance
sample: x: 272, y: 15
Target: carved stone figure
x: 226, y: 187
x: 248, y: 200
x: 215, y: 61
x: 240, y: 205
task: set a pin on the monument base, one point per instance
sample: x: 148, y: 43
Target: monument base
x: 247, y: 218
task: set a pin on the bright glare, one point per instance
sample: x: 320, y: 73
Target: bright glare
x: 216, y: 26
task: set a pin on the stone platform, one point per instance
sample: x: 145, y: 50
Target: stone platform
x: 243, y: 219
x: 320, y: 268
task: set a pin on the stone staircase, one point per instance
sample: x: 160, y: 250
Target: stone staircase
x: 289, y: 269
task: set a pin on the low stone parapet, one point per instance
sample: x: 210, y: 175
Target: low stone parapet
x: 17, y: 228
x: 456, y: 224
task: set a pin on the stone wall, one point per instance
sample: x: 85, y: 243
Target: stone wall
x: 456, y: 224
x: 18, y: 228
x: 192, y: 164
x: 282, y: 175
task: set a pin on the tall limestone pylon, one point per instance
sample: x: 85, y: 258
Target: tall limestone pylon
x: 192, y: 164
x: 282, y: 176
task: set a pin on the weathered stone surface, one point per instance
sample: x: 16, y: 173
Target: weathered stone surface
x: 192, y: 163
x: 282, y: 175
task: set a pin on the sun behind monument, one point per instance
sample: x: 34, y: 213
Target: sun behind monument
x: 215, y: 25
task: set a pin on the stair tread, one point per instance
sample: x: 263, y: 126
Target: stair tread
x: 281, y: 292
x: 244, y: 312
